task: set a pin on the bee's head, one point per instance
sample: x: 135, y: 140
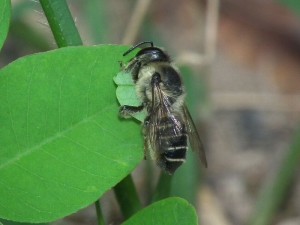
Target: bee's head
x: 149, y: 54
x: 153, y: 54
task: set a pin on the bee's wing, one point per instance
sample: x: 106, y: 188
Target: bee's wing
x: 160, y: 121
x: 194, y: 138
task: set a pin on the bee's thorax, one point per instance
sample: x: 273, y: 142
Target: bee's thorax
x: 170, y: 85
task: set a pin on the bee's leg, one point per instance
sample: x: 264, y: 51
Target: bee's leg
x: 126, y: 111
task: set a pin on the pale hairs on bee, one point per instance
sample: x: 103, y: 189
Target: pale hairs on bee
x: 168, y: 125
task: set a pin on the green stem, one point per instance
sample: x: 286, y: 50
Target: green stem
x: 163, y: 187
x: 61, y: 23
x: 274, y: 193
x: 100, y: 219
x: 127, y: 197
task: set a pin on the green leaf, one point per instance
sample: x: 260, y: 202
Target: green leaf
x: 5, y: 12
x: 169, y: 211
x: 62, y: 143
x: 126, y: 93
x: 293, y: 5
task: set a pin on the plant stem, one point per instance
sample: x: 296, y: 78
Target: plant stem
x: 100, y: 219
x: 163, y: 187
x: 127, y: 197
x: 61, y: 22
x: 274, y: 193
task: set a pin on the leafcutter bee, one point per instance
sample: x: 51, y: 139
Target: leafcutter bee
x: 168, y: 124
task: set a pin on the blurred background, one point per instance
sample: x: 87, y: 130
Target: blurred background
x: 241, y: 64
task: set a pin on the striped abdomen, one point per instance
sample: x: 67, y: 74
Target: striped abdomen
x: 172, y: 144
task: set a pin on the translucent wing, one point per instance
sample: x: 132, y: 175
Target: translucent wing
x: 194, y: 138
x: 160, y: 123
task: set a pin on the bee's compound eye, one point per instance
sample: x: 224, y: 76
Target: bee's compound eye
x: 156, y: 79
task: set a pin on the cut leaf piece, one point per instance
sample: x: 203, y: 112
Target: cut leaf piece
x: 169, y: 211
x: 62, y: 143
x: 126, y: 93
x: 5, y: 14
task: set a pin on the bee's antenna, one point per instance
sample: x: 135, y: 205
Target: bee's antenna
x: 139, y: 44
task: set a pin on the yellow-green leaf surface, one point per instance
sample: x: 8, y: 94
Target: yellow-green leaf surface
x: 5, y: 12
x: 169, y: 211
x: 62, y: 143
x: 126, y: 93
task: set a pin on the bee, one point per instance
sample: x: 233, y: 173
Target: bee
x: 168, y: 124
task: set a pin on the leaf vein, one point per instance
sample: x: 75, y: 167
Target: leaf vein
x: 45, y: 181
x: 60, y: 102
x: 97, y: 153
x: 28, y: 104
x: 67, y: 164
x: 23, y: 200
x: 48, y: 140
x: 11, y: 119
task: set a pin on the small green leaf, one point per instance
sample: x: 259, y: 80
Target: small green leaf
x: 169, y: 211
x: 126, y: 93
x: 5, y: 13
x: 62, y: 143
x: 124, y: 78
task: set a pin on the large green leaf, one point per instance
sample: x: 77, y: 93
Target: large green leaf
x: 5, y: 11
x: 169, y: 211
x: 62, y: 143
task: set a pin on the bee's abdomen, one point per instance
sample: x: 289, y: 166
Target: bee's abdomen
x: 173, y: 145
